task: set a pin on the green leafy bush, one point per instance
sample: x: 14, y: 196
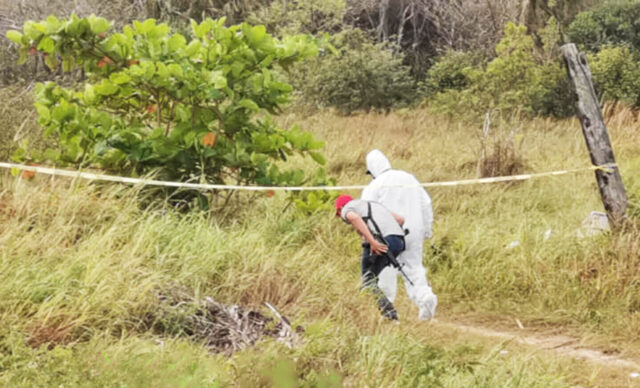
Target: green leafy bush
x: 555, y: 94
x: 284, y: 17
x: 613, y: 23
x: 187, y: 108
x: 616, y: 74
x: 513, y: 77
x: 516, y: 79
x: 360, y: 76
x: 450, y: 71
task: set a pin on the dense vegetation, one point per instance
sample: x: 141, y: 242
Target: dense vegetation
x: 393, y: 43
x: 83, y: 265
x: 237, y: 92
x: 156, y: 102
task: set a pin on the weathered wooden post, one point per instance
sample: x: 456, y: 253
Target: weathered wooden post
x: 594, y: 130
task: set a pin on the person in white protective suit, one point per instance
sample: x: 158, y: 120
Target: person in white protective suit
x: 414, y: 204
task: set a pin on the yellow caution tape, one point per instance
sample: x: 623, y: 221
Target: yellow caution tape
x: 207, y: 186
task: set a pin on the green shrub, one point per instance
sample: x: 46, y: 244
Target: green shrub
x: 616, y: 22
x: 450, y: 71
x: 187, y: 109
x: 616, y: 74
x: 516, y: 79
x: 361, y: 76
x: 555, y: 96
x: 283, y: 17
x: 507, y: 82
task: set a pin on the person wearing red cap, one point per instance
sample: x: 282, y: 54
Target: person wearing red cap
x: 374, y: 223
x: 400, y: 192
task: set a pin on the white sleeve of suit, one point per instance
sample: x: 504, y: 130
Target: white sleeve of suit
x: 427, y: 214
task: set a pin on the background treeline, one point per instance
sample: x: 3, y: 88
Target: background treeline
x: 464, y: 56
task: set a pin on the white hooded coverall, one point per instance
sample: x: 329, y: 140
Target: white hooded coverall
x: 414, y: 204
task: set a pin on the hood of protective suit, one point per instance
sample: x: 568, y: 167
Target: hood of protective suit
x: 377, y: 163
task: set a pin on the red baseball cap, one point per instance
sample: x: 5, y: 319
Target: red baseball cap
x: 342, y: 200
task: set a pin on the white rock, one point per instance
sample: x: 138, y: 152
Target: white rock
x: 513, y: 244
x: 595, y: 223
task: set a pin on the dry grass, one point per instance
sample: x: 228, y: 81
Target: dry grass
x: 558, y: 279
x: 81, y: 263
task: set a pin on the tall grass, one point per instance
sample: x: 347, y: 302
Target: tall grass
x: 82, y: 264
x: 550, y: 275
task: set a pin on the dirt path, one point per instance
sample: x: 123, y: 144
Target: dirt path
x: 559, y: 343
x: 615, y: 370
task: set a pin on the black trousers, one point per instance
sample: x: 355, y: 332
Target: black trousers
x: 371, y: 266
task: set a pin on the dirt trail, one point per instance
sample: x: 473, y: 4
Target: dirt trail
x: 562, y: 344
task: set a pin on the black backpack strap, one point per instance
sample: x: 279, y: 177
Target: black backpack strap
x: 369, y: 217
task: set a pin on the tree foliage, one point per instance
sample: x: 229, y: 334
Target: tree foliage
x: 534, y: 14
x: 611, y: 33
x: 449, y: 71
x: 614, y: 23
x: 616, y: 74
x: 283, y: 17
x: 189, y: 108
x: 425, y: 28
x: 518, y: 78
x: 361, y: 75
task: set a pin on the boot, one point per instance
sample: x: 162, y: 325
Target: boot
x: 387, y: 309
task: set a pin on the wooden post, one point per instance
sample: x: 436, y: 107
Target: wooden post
x: 594, y: 130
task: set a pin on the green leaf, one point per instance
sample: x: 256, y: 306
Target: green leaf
x: 119, y: 78
x: 162, y: 71
x: 318, y: 157
x: 89, y: 94
x: 192, y: 49
x: 51, y: 61
x: 31, y: 31
x: 254, y: 34
x: 249, y: 104
x: 107, y: 88
x: 22, y: 58
x: 14, y: 36
x: 145, y: 27
x: 146, y: 70
x: 203, y: 203
x: 47, y: 45
x: 19, y: 155
x: 267, y: 61
x: 44, y: 115
x: 175, y: 70
x: 218, y: 80
x: 237, y: 68
x: 77, y: 27
x: 281, y: 86
x: 200, y: 30
x: 183, y: 112
x: 62, y: 113
x: 315, y: 144
x: 98, y: 25
x: 52, y: 25
x: 176, y: 42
